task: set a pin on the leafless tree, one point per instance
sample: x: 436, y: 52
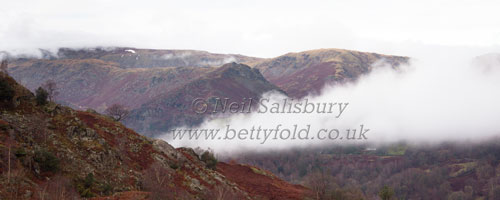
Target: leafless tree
x: 14, y: 186
x: 51, y: 87
x: 160, y: 175
x: 57, y: 188
x: 117, y: 111
x: 320, y: 182
x: 3, y: 67
x: 155, y: 180
x: 223, y: 192
x: 9, y: 142
x: 8, y: 172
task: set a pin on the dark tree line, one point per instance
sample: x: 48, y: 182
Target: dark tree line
x: 445, y: 171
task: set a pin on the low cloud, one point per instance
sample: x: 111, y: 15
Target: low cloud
x: 218, y: 62
x: 440, y: 96
x: 186, y: 58
x: 170, y: 56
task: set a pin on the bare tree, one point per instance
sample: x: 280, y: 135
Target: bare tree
x: 160, y: 175
x: 9, y: 141
x: 8, y: 171
x: 117, y: 111
x: 14, y: 187
x: 223, y: 192
x: 57, y: 188
x: 3, y: 67
x: 155, y: 180
x: 320, y: 182
x: 51, y: 87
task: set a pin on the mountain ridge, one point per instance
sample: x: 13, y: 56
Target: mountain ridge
x: 174, y: 108
x: 92, y: 79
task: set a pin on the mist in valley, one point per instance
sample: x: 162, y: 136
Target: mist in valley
x: 443, y: 94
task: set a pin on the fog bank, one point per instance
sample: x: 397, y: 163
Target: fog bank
x: 444, y: 94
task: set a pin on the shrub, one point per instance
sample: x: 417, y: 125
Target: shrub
x: 86, y: 193
x: 6, y: 91
x: 89, y: 180
x: 41, y: 96
x: 84, y: 186
x: 47, y: 161
x: 209, y: 159
x: 20, y: 152
x: 174, y: 166
x: 386, y: 193
x: 106, y: 189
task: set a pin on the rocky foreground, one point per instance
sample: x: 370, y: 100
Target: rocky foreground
x: 49, y: 151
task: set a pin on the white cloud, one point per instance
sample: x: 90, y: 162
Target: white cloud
x: 442, y: 96
x: 257, y: 28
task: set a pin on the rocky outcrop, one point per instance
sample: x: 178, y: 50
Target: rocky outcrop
x: 236, y: 82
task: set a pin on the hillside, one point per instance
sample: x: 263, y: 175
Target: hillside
x: 159, y: 91
x: 99, y: 77
x: 303, y: 73
x: 258, y: 182
x: 48, y: 151
x: 96, y: 84
x: 174, y: 108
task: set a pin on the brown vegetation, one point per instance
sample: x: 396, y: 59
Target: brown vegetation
x: 48, y: 151
x: 261, y: 183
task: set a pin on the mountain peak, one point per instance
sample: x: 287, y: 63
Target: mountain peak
x: 238, y: 70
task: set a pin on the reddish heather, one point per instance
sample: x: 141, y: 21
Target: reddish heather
x: 131, y: 195
x: 266, y: 185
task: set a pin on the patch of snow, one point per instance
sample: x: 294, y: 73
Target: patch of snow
x: 130, y: 50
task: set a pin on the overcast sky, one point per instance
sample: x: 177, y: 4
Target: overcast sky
x: 257, y: 28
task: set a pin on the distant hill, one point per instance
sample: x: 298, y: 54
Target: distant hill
x: 93, y: 83
x: 303, y: 73
x: 158, y: 84
x: 150, y: 58
x: 236, y: 82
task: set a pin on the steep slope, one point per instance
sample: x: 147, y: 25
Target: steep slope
x: 299, y: 74
x: 174, y: 108
x: 92, y: 83
x: 53, y: 152
x: 259, y: 182
x: 99, y: 77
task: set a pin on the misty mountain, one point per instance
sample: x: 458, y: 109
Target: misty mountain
x: 158, y: 84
